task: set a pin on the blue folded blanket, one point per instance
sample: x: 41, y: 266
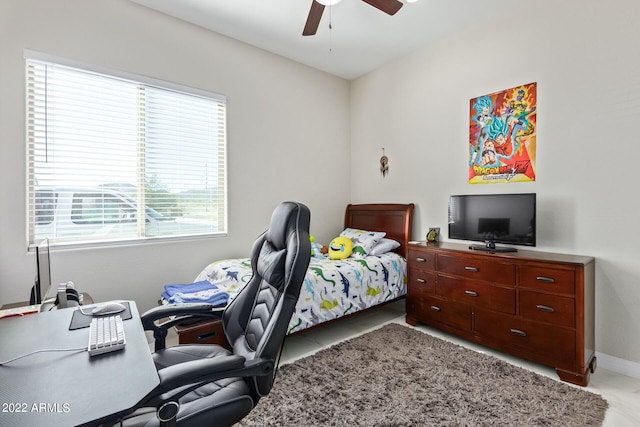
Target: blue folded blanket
x: 187, y: 288
x: 216, y: 298
x: 203, y: 292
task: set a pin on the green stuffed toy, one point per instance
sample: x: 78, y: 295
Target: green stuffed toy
x: 340, y: 248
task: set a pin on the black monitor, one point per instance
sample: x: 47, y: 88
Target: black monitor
x: 43, y: 277
x: 493, y: 218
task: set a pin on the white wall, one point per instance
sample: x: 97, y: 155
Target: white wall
x: 280, y: 144
x: 583, y: 54
x: 584, y: 57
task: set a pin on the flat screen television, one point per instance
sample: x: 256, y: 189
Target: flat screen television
x: 493, y: 218
x: 43, y: 278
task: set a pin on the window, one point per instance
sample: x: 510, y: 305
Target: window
x: 114, y: 157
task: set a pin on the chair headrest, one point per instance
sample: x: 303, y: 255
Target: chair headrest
x: 283, y: 222
x: 271, y: 265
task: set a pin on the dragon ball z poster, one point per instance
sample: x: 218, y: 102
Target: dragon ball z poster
x: 502, y: 136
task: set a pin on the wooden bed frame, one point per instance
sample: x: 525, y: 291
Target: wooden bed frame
x: 394, y: 219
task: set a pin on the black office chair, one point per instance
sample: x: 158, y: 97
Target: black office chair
x: 204, y: 385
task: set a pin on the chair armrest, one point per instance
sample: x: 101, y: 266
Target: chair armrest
x: 176, y: 314
x: 181, y: 310
x: 196, y: 371
x: 179, y: 379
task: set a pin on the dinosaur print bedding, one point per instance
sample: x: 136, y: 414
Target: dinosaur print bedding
x: 331, y: 288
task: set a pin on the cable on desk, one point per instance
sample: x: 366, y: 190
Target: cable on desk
x: 44, y: 350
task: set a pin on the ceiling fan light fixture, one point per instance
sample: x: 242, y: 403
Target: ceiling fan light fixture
x: 390, y: 7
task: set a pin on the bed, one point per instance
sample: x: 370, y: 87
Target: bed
x: 333, y: 289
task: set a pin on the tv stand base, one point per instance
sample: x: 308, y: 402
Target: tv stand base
x: 499, y: 249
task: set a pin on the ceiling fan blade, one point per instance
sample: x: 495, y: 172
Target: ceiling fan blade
x: 387, y: 6
x: 313, y: 20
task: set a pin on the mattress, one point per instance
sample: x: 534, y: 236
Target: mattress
x: 331, y: 288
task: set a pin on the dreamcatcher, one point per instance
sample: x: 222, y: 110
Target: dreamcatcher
x: 384, y: 164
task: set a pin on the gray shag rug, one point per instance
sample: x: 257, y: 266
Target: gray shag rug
x: 399, y: 376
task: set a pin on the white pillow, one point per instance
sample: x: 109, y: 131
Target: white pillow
x: 385, y: 245
x: 363, y: 241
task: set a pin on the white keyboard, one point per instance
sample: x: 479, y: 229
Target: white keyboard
x: 106, y: 334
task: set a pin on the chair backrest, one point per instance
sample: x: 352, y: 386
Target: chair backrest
x: 256, y: 321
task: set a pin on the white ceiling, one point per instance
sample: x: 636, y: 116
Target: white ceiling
x: 362, y: 38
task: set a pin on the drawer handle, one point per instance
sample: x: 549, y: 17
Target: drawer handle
x: 518, y: 332
x: 206, y: 336
x: 419, y: 280
x: 434, y: 308
x: 545, y: 308
x: 421, y: 260
x: 471, y: 293
x: 473, y: 269
x: 546, y: 279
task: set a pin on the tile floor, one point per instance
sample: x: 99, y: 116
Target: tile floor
x: 622, y: 392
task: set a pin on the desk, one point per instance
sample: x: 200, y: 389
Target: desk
x: 70, y: 388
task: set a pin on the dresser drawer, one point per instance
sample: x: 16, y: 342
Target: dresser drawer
x: 424, y: 281
x: 553, y: 309
x: 545, y: 341
x: 429, y: 310
x: 479, y: 269
x: 422, y: 260
x: 203, y: 332
x: 478, y: 294
x: 415, y: 304
x: 548, y: 279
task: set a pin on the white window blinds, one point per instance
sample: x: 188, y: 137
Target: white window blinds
x: 112, y: 158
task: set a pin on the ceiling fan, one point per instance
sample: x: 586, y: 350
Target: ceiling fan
x: 317, y: 7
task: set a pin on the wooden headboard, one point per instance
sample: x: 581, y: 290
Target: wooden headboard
x: 393, y: 219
